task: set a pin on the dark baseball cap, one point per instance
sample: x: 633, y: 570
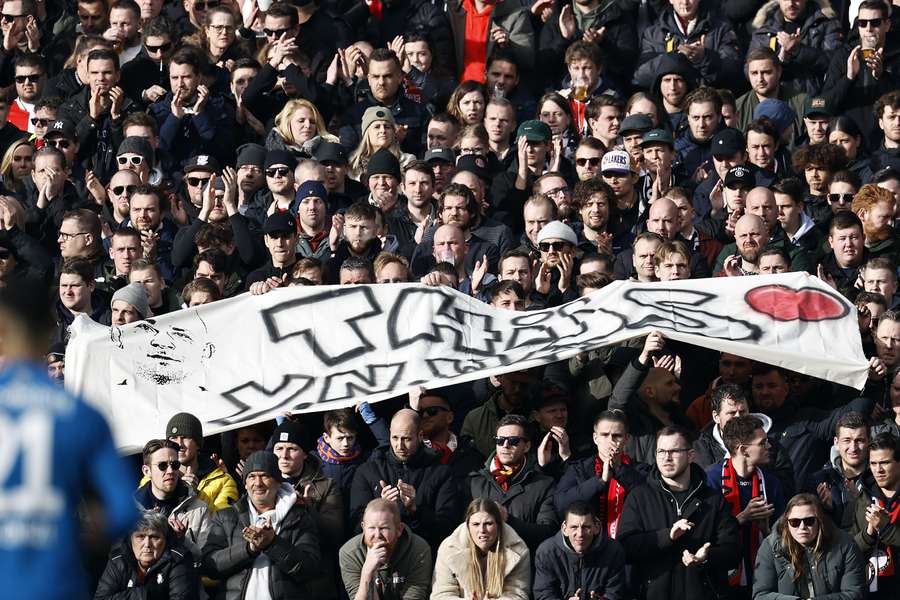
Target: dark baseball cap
x: 62, y: 128
x: 658, y: 136
x: 474, y: 163
x: 280, y: 222
x: 331, y: 152
x: 635, y: 124
x: 534, y: 131
x: 740, y: 177
x: 817, y: 105
x: 728, y: 142
x: 202, y: 162
x: 442, y: 154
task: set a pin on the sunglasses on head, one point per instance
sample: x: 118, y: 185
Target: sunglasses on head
x: 40, y: 122
x: 164, y: 465
x: 277, y: 172
x: 433, y: 411
x: 58, y: 143
x: 276, y: 33
x: 135, y: 160
x: 548, y: 246
x: 592, y: 161
x: 808, y: 521
x: 28, y: 78
x: 118, y: 190
x: 195, y: 181
x: 508, y: 440
x: 840, y: 198
x: 863, y: 23
x: 161, y: 48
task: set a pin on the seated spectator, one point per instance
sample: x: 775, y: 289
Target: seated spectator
x: 604, y: 116
x: 875, y: 208
x: 844, y: 132
x: 129, y: 304
x: 768, y: 77
x: 483, y: 558
x: 162, y: 298
x: 880, y: 276
x: 200, y: 291
x: 703, y: 108
x: 510, y: 398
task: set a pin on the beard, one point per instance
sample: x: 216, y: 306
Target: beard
x: 751, y: 255
x: 876, y: 234
x: 565, y: 212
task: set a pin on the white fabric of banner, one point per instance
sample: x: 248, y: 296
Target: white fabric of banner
x: 301, y: 349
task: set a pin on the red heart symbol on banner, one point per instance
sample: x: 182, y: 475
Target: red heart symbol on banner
x: 786, y: 304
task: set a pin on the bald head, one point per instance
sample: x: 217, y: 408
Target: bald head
x: 750, y: 236
x: 760, y: 201
x: 405, y: 433
x: 380, y: 505
x: 450, y: 245
x: 471, y: 181
x: 663, y: 218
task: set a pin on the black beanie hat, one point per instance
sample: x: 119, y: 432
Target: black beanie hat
x: 383, y: 162
x: 262, y: 460
x: 185, y: 425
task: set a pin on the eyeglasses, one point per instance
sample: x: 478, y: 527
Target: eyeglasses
x: 558, y: 191
x: 592, y: 161
x: 221, y: 28
x: 670, y: 453
x: 277, y: 172
x: 58, y: 143
x: 840, y: 198
x: 161, y: 48
x: 808, y: 521
x: 508, y: 440
x: 195, y: 181
x: 70, y: 236
x: 557, y: 246
x: 40, y: 122
x: 207, y: 4
x: 281, y: 73
x: 135, y: 160
x: 166, y: 464
x: 433, y: 411
x: 863, y: 23
x: 20, y: 79
x: 276, y: 33
x: 119, y: 189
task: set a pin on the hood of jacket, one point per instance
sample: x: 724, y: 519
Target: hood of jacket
x: 674, y: 63
x: 764, y: 12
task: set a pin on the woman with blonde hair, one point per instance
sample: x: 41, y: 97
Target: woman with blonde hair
x: 467, y: 102
x: 483, y: 558
x: 379, y: 130
x: 16, y: 165
x: 806, y: 556
x: 299, y: 129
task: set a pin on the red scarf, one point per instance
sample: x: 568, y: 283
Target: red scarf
x: 894, y: 511
x: 611, y: 509
x: 731, y: 490
x: 445, y: 451
x: 502, y: 475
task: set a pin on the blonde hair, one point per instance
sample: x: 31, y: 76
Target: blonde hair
x: 490, y: 582
x: 6, y: 172
x: 359, y: 160
x: 283, y: 119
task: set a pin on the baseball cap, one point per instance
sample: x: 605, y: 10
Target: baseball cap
x: 202, y: 162
x: 616, y: 161
x: 635, y: 124
x: 62, y: 127
x: 777, y: 111
x: 658, y: 136
x: 330, y: 152
x: 280, y: 222
x: 534, y: 131
x: 817, y: 105
x: 739, y: 176
x: 474, y: 163
x: 728, y: 142
x: 443, y: 154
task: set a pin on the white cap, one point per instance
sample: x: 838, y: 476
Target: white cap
x: 617, y: 161
x: 557, y: 230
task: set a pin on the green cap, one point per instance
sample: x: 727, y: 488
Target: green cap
x: 817, y: 105
x: 534, y: 131
x: 658, y: 136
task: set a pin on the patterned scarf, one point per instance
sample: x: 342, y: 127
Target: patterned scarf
x: 610, y: 510
x: 502, y: 475
x: 893, y: 507
x: 732, y: 492
x: 332, y: 457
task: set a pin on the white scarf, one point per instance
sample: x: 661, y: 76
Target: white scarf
x: 258, y: 584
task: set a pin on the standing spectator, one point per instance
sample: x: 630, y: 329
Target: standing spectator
x: 479, y: 27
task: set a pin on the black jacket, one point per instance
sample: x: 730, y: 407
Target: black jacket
x: 560, y: 571
x: 580, y: 482
x: 528, y: 501
x: 405, y: 111
x: 141, y: 73
x: 172, y: 577
x: 294, y: 553
x: 647, y: 518
x: 843, y: 503
x: 437, y: 506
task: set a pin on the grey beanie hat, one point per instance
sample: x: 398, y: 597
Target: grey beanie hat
x: 137, y: 145
x: 135, y: 295
x: 262, y: 460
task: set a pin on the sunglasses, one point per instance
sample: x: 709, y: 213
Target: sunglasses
x: 195, y: 181
x: 40, y: 122
x: 840, y: 198
x: 433, y: 411
x: 28, y: 78
x: 164, y: 465
x: 277, y: 172
x: 207, y: 4
x: 135, y: 160
x: 863, y: 23
x: 6, y: 18
x: 548, y: 246
x: 4, y: 254
x: 592, y: 161
x: 557, y: 191
x: 64, y: 144
x: 161, y: 48
x: 276, y: 33
x: 808, y: 521
x: 118, y: 190
x: 508, y: 440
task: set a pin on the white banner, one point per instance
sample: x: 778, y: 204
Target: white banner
x: 302, y: 349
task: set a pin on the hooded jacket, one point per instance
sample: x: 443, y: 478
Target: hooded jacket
x: 658, y: 571
x: 560, y: 571
x: 172, y: 577
x: 453, y: 556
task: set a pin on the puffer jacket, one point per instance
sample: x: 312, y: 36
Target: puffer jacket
x: 453, y: 556
x: 512, y: 16
x: 559, y: 571
x: 528, y: 501
x: 172, y: 577
x: 820, y: 33
x: 294, y: 552
x: 840, y: 575
x: 647, y: 518
x: 721, y: 64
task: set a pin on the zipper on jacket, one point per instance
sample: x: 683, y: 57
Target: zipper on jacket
x: 686, y: 500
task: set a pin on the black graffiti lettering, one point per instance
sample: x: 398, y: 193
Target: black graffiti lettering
x: 451, y: 367
x: 342, y: 311
x: 679, y: 310
x: 448, y: 320
x: 371, y: 379
x: 571, y: 323
x: 253, y: 400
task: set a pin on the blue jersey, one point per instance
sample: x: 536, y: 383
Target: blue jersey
x: 53, y: 447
